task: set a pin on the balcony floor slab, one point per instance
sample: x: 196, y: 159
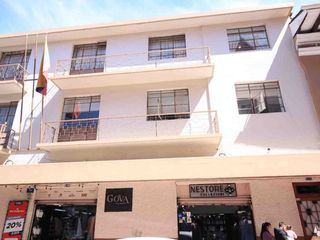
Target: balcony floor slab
x: 144, y: 148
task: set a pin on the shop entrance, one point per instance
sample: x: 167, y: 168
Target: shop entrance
x: 216, y: 222
x: 63, y: 222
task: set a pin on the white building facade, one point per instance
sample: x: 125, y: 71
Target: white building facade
x: 150, y: 128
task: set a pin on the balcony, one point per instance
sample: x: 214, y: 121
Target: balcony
x: 11, y: 77
x: 6, y: 141
x: 132, y: 137
x: 134, y: 68
x: 308, y: 44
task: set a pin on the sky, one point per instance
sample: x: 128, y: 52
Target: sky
x: 30, y: 15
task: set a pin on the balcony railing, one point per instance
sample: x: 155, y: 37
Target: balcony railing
x: 150, y: 59
x: 6, y: 136
x: 12, y: 72
x: 131, y: 127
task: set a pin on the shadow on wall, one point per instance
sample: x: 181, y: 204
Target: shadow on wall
x: 294, y: 128
x: 50, y: 101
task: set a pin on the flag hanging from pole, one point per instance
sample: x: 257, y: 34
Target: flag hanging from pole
x: 43, y: 73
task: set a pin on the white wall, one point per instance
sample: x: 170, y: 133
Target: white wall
x: 295, y: 130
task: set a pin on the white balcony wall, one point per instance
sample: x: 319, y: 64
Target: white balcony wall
x: 295, y: 130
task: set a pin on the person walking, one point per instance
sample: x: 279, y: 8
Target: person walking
x: 280, y: 232
x: 266, y: 229
x: 291, y: 235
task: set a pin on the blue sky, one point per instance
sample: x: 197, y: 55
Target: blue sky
x: 27, y: 15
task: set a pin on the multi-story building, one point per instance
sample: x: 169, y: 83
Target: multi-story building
x: 150, y: 126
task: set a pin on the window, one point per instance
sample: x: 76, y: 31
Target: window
x: 168, y: 104
x: 88, y: 58
x: 7, y: 113
x: 250, y: 38
x: 167, y: 47
x: 259, y: 98
x: 77, y: 110
x: 9, y: 65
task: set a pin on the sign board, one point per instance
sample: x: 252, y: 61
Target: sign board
x: 212, y: 190
x: 118, y: 200
x: 15, y: 219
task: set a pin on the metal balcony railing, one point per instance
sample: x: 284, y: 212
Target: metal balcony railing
x: 131, y: 127
x: 12, y: 72
x: 150, y: 59
x: 6, y: 136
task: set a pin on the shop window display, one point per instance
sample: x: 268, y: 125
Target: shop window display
x: 215, y: 222
x: 63, y: 222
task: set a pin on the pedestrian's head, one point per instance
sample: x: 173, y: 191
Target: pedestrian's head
x: 282, y: 225
x: 288, y: 227
x: 266, y: 227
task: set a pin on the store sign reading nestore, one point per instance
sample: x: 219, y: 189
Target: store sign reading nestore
x: 118, y: 200
x: 212, y: 190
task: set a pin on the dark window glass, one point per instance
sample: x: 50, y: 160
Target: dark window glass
x: 259, y: 98
x: 168, y: 104
x: 167, y: 47
x: 12, y: 63
x: 308, y: 189
x: 251, y: 38
x: 88, y: 58
x: 7, y: 112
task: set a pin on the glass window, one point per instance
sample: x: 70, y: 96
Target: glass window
x: 7, y: 112
x: 88, y: 58
x: 160, y: 47
x: 11, y: 63
x: 251, y: 38
x: 83, y: 111
x: 259, y: 98
x: 81, y: 108
x: 168, y: 104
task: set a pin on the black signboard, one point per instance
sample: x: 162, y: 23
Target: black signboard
x: 118, y: 200
x: 213, y: 190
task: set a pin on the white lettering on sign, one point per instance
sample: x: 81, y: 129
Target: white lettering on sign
x: 212, y: 190
x: 14, y: 225
x: 120, y: 199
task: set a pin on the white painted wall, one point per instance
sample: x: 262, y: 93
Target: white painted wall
x: 293, y: 131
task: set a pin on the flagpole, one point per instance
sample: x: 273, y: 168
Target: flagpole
x: 33, y: 85
x: 41, y: 124
x: 42, y: 106
x: 22, y: 93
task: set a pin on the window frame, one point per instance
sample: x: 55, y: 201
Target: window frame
x: 10, y: 66
x: 253, y: 39
x: 80, y: 61
x: 162, y: 52
x: 74, y: 104
x: 252, y: 109
x: 168, y: 116
x: 10, y: 106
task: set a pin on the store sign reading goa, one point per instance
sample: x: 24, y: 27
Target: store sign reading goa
x: 118, y: 200
x: 212, y: 190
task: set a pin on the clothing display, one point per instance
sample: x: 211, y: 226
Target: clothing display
x: 215, y: 223
x: 66, y: 222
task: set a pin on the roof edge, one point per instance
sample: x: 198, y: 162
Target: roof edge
x: 288, y: 5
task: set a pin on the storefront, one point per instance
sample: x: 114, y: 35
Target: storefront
x: 219, y: 211
x: 63, y: 221
x: 207, y: 209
